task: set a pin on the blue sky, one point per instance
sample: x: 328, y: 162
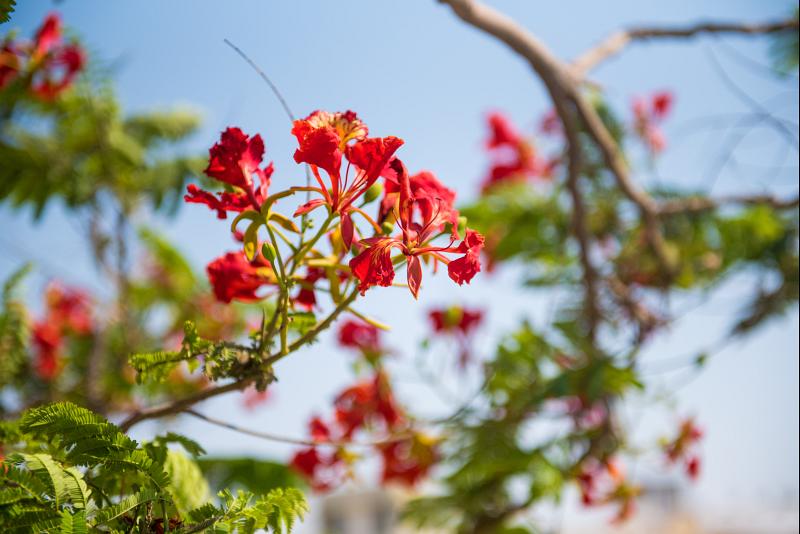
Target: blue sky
x: 411, y: 69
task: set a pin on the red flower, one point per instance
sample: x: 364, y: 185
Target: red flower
x: 69, y: 307
x: 58, y: 72
x: 48, y: 36
x: 374, y: 266
x: 648, y: 114
x: 47, y: 340
x: 459, y: 323
x: 693, y: 467
x: 360, y: 335
x: 322, y: 471
x: 222, y: 203
x: 324, y: 138
x: 68, y: 313
x: 368, y: 402
x: 422, y: 215
x: 662, y: 104
x: 319, y: 430
x: 424, y: 185
x: 407, y: 461
x: 306, y: 297
x: 232, y: 277
x: 463, y: 269
x: 683, y: 448
x: 514, y: 158
x: 49, y: 66
x: 603, y: 482
x: 235, y: 160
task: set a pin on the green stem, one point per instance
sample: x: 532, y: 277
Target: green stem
x: 314, y: 332
x: 302, y: 251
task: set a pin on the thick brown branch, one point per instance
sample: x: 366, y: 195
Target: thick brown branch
x: 562, y: 86
x: 616, y: 42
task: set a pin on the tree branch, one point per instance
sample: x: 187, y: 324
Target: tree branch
x: 181, y: 405
x: 617, y: 41
x: 563, y: 86
x: 295, y: 441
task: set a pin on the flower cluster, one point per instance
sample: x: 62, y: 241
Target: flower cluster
x: 349, y: 252
x: 324, y: 140
x: 683, y: 448
x: 421, y: 206
x: 648, y: 114
x: 514, y: 158
x: 369, y: 405
x: 44, y: 67
x: 458, y: 323
x: 68, y: 312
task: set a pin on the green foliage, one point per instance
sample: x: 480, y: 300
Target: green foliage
x: 6, y: 9
x: 216, y: 359
x: 14, y: 330
x: 785, y: 49
x: 73, y: 471
x: 60, y: 157
x: 277, y: 511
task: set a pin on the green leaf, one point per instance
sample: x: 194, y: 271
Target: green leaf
x: 74, y: 523
x: 6, y: 8
x: 188, y: 487
x: 110, y: 513
x: 251, y: 240
x: 284, y: 222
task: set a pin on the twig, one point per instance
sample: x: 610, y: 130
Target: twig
x: 181, y: 405
x: 616, y: 42
x: 264, y: 77
x: 296, y: 441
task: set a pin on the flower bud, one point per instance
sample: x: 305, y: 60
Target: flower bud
x: 268, y: 251
x: 373, y: 192
x: 462, y: 225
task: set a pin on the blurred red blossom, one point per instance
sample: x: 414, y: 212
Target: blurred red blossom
x: 514, y: 158
x: 604, y: 482
x: 47, y: 66
x: 360, y: 335
x: 683, y: 448
x: 648, y: 113
x: 68, y: 312
x: 459, y: 323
